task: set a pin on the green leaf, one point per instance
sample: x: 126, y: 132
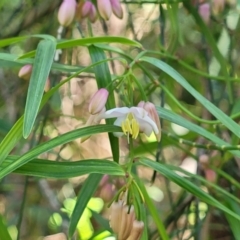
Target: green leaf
x: 60, y: 140
x: 221, y: 116
x: 89, y: 187
x: 103, y: 78
x: 93, y: 40
x: 60, y: 170
x: 173, y: 117
x: 15, y: 134
x: 11, y: 139
x: 233, y: 223
x: 4, y: 234
x: 87, y: 41
x: 187, y: 185
x: 41, y: 68
x: 9, y: 41
x: 153, y: 211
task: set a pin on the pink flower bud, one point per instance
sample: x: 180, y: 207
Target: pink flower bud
x: 98, y: 101
x: 104, y: 180
x: 86, y: 9
x: 107, y: 192
x: 66, y: 12
x: 210, y: 175
x: 93, y: 14
x: 204, y: 12
x: 104, y: 8
x: 150, y: 108
x: 117, y: 8
x: 25, y: 72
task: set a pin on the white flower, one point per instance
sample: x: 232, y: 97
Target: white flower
x: 132, y: 121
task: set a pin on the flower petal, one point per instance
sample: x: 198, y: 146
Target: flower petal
x: 116, y: 112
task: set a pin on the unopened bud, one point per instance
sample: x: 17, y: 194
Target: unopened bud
x: 66, y: 12
x: 204, y: 12
x: 104, y: 180
x: 89, y: 10
x: 93, y: 14
x: 58, y: 236
x: 25, y: 72
x: 123, y: 222
x: 104, y: 8
x: 98, y: 101
x: 107, y: 192
x: 137, y: 230
x: 117, y: 8
x: 210, y: 175
x: 116, y: 216
x: 86, y: 9
x: 218, y: 6
x: 151, y: 109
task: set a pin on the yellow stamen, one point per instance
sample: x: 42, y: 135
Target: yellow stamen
x: 130, y: 126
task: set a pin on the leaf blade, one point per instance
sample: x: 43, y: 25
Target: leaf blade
x: 41, y: 68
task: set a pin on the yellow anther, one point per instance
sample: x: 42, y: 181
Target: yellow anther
x: 130, y: 126
x: 135, y: 128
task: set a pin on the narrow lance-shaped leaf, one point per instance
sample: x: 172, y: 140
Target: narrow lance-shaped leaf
x: 153, y: 210
x: 221, y: 116
x: 15, y: 134
x: 41, y: 68
x: 179, y: 120
x: 103, y: 78
x: 89, y: 187
x: 187, y: 185
x: 60, y: 170
x: 4, y: 234
x: 60, y: 140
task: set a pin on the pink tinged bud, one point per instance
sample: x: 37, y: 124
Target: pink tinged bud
x: 107, y: 192
x: 66, y: 12
x: 150, y: 108
x: 117, y: 8
x: 116, y: 216
x: 104, y: 8
x: 104, y: 180
x: 210, y: 175
x: 93, y: 14
x: 86, y: 9
x: 137, y: 230
x: 98, y: 101
x: 25, y: 72
x: 204, y: 12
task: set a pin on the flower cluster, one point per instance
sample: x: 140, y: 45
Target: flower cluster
x: 105, y: 9
x: 88, y: 9
x: 67, y: 10
x: 133, y: 120
x: 124, y: 223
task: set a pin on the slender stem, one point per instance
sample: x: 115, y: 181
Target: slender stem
x: 19, y: 223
